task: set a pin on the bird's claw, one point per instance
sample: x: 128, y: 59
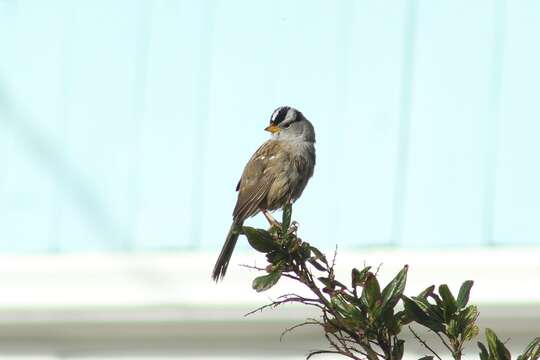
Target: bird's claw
x: 274, y: 225
x: 293, y: 229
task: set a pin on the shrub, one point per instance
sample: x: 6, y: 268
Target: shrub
x: 361, y: 319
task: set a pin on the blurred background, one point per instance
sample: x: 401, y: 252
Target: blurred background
x: 125, y: 125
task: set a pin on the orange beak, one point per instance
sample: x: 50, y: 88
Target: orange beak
x: 272, y: 128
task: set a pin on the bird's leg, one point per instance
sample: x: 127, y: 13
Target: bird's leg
x: 270, y: 218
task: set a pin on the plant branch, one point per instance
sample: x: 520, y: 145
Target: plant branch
x: 424, y: 343
x: 444, y: 342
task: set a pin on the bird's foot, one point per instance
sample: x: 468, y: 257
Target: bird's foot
x: 293, y: 229
x: 273, y: 222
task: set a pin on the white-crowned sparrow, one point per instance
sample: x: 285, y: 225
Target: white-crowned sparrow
x: 275, y: 175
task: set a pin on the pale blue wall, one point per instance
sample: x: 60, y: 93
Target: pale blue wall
x: 125, y: 124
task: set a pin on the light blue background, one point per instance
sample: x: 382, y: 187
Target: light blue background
x: 124, y: 125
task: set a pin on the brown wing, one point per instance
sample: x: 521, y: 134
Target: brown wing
x: 257, y: 179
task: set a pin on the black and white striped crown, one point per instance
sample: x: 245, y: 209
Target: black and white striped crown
x: 283, y: 113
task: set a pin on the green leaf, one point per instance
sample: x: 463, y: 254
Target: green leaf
x: 453, y: 328
x: 397, y: 351
x: 293, y: 246
x: 275, y: 256
x: 318, y: 254
x: 429, y: 290
x: 491, y: 338
x: 342, y: 305
x: 371, y: 294
x: 316, y: 264
x: 469, y: 314
x: 286, y: 219
x: 433, y: 311
x: 427, y: 357
x: 532, y: 351
x: 449, y: 302
x: 414, y: 312
x: 359, y: 277
x: 402, y: 317
x: 353, y: 300
x: 352, y: 316
x: 484, y: 355
x: 391, y: 321
x: 497, y: 349
x: 463, y: 296
x: 265, y: 282
x: 260, y: 239
x: 305, y: 250
x: 437, y: 299
x: 470, y: 332
x: 329, y: 283
x: 393, y: 291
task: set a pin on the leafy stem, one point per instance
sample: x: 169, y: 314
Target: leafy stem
x: 363, y: 320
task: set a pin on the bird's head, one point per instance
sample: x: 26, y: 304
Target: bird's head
x: 288, y: 123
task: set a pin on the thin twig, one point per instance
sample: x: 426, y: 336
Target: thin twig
x: 252, y: 267
x: 291, y: 295
x: 378, y: 268
x: 444, y: 342
x: 345, y: 351
x: 275, y: 304
x: 424, y: 343
x: 343, y: 340
x: 334, y: 259
x: 260, y: 309
x: 288, y: 330
x: 318, y: 352
x: 290, y: 276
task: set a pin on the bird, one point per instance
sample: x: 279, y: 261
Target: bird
x: 275, y: 175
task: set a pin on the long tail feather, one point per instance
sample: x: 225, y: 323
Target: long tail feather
x: 226, y: 252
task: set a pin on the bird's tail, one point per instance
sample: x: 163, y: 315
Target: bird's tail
x: 226, y: 252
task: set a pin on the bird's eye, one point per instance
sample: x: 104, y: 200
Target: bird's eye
x: 287, y: 125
